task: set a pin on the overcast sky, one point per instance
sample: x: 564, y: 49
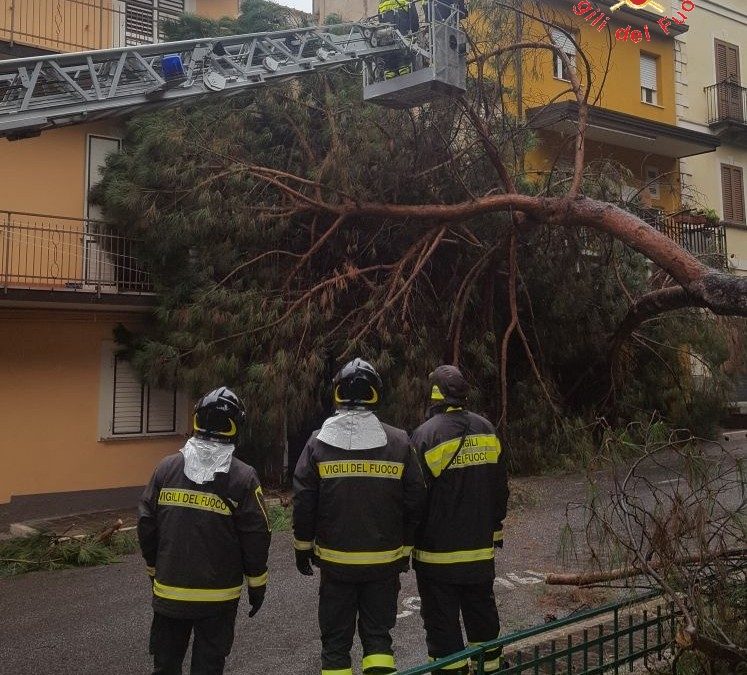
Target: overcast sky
x: 305, y: 5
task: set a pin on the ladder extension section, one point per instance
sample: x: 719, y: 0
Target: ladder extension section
x: 56, y: 90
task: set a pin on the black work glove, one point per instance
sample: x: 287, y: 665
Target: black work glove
x: 303, y: 562
x: 256, y: 598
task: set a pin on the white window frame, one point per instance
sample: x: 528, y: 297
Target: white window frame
x: 649, y: 94
x: 561, y: 40
x: 106, y: 403
x: 651, y: 180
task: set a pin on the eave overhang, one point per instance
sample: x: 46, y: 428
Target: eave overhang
x: 623, y: 130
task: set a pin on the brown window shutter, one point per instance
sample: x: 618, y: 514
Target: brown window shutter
x: 732, y: 185
x: 732, y: 64
x: 721, y: 65
x: 727, y: 62
x: 737, y: 190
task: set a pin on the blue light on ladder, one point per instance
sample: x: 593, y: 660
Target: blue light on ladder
x: 172, y: 67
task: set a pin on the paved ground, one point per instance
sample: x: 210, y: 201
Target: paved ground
x: 93, y: 621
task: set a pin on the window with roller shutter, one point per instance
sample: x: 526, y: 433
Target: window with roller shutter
x: 732, y: 187
x: 561, y: 40
x: 649, y: 79
x: 129, y: 408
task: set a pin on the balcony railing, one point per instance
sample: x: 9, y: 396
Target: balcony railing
x: 78, y: 25
x: 706, y: 241
x: 55, y: 253
x: 727, y: 102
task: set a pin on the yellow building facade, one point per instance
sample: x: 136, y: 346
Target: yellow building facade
x: 80, y: 431
x: 632, y: 115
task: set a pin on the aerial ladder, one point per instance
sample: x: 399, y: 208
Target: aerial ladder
x: 56, y: 90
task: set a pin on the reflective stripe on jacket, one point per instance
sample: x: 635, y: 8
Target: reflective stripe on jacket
x: 358, y: 509
x: 467, y: 497
x: 200, y: 550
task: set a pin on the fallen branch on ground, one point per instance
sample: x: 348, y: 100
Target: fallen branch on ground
x: 587, y: 578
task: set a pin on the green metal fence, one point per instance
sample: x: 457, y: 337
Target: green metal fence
x: 611, y: 638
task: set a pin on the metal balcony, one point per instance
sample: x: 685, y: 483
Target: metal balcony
x: 706, y: 241
x: 51, y: 253
x: 727, y: 111
x: 78, y: 25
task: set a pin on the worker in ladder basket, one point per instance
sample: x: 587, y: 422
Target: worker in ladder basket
x: 358, y: 496
x: 454, y: 547
x: 203, y: 528
x: 403, y: 14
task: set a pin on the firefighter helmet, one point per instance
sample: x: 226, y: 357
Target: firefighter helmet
x: 218, y: 416
x: 357, y: 384
x: 448, y: 386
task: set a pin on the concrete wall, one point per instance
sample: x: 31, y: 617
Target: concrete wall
x: 350, y: 10
x: 216, y: 9
x: 50, y: 399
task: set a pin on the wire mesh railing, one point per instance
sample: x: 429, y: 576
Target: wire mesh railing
x: 613, y: 638
x: 78, y: 25
x: 51, y: 252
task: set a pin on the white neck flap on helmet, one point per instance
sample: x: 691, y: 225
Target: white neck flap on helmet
x: 204, y: 458
x: 353, y: 430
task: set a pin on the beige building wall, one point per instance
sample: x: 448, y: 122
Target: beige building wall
x: 50, y: 393
x: 213, y: 9
x: 724, y: 20
x: 350, y: 10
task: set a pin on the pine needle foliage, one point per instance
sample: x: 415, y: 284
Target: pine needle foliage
x: 48, y: 551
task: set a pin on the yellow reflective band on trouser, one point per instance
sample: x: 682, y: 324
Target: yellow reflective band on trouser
x: 498, y: 535
x: 477, y: 449
x: 360, y: 469
x: 452, y: 666
x: 451, y: 557
x: 378, y: 661
x: 338, y: 671
x: 193, y: 499
x: 303, y: 545
x: 254, y: 582
x: 359, y: 557
x: 196, y: 594
x: 493, y: 658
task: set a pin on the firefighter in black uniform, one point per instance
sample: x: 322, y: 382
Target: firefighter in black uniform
x: 403, y: 15
x: 358, y: 496
x: 467, y: 496
x: 203, y: 529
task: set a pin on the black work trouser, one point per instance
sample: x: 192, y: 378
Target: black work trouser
x: 169, y: 638
x: 440, y: 606
x: 374, y: 605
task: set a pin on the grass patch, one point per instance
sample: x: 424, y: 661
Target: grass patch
x: 47, y: 551
x: 280, y: 518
